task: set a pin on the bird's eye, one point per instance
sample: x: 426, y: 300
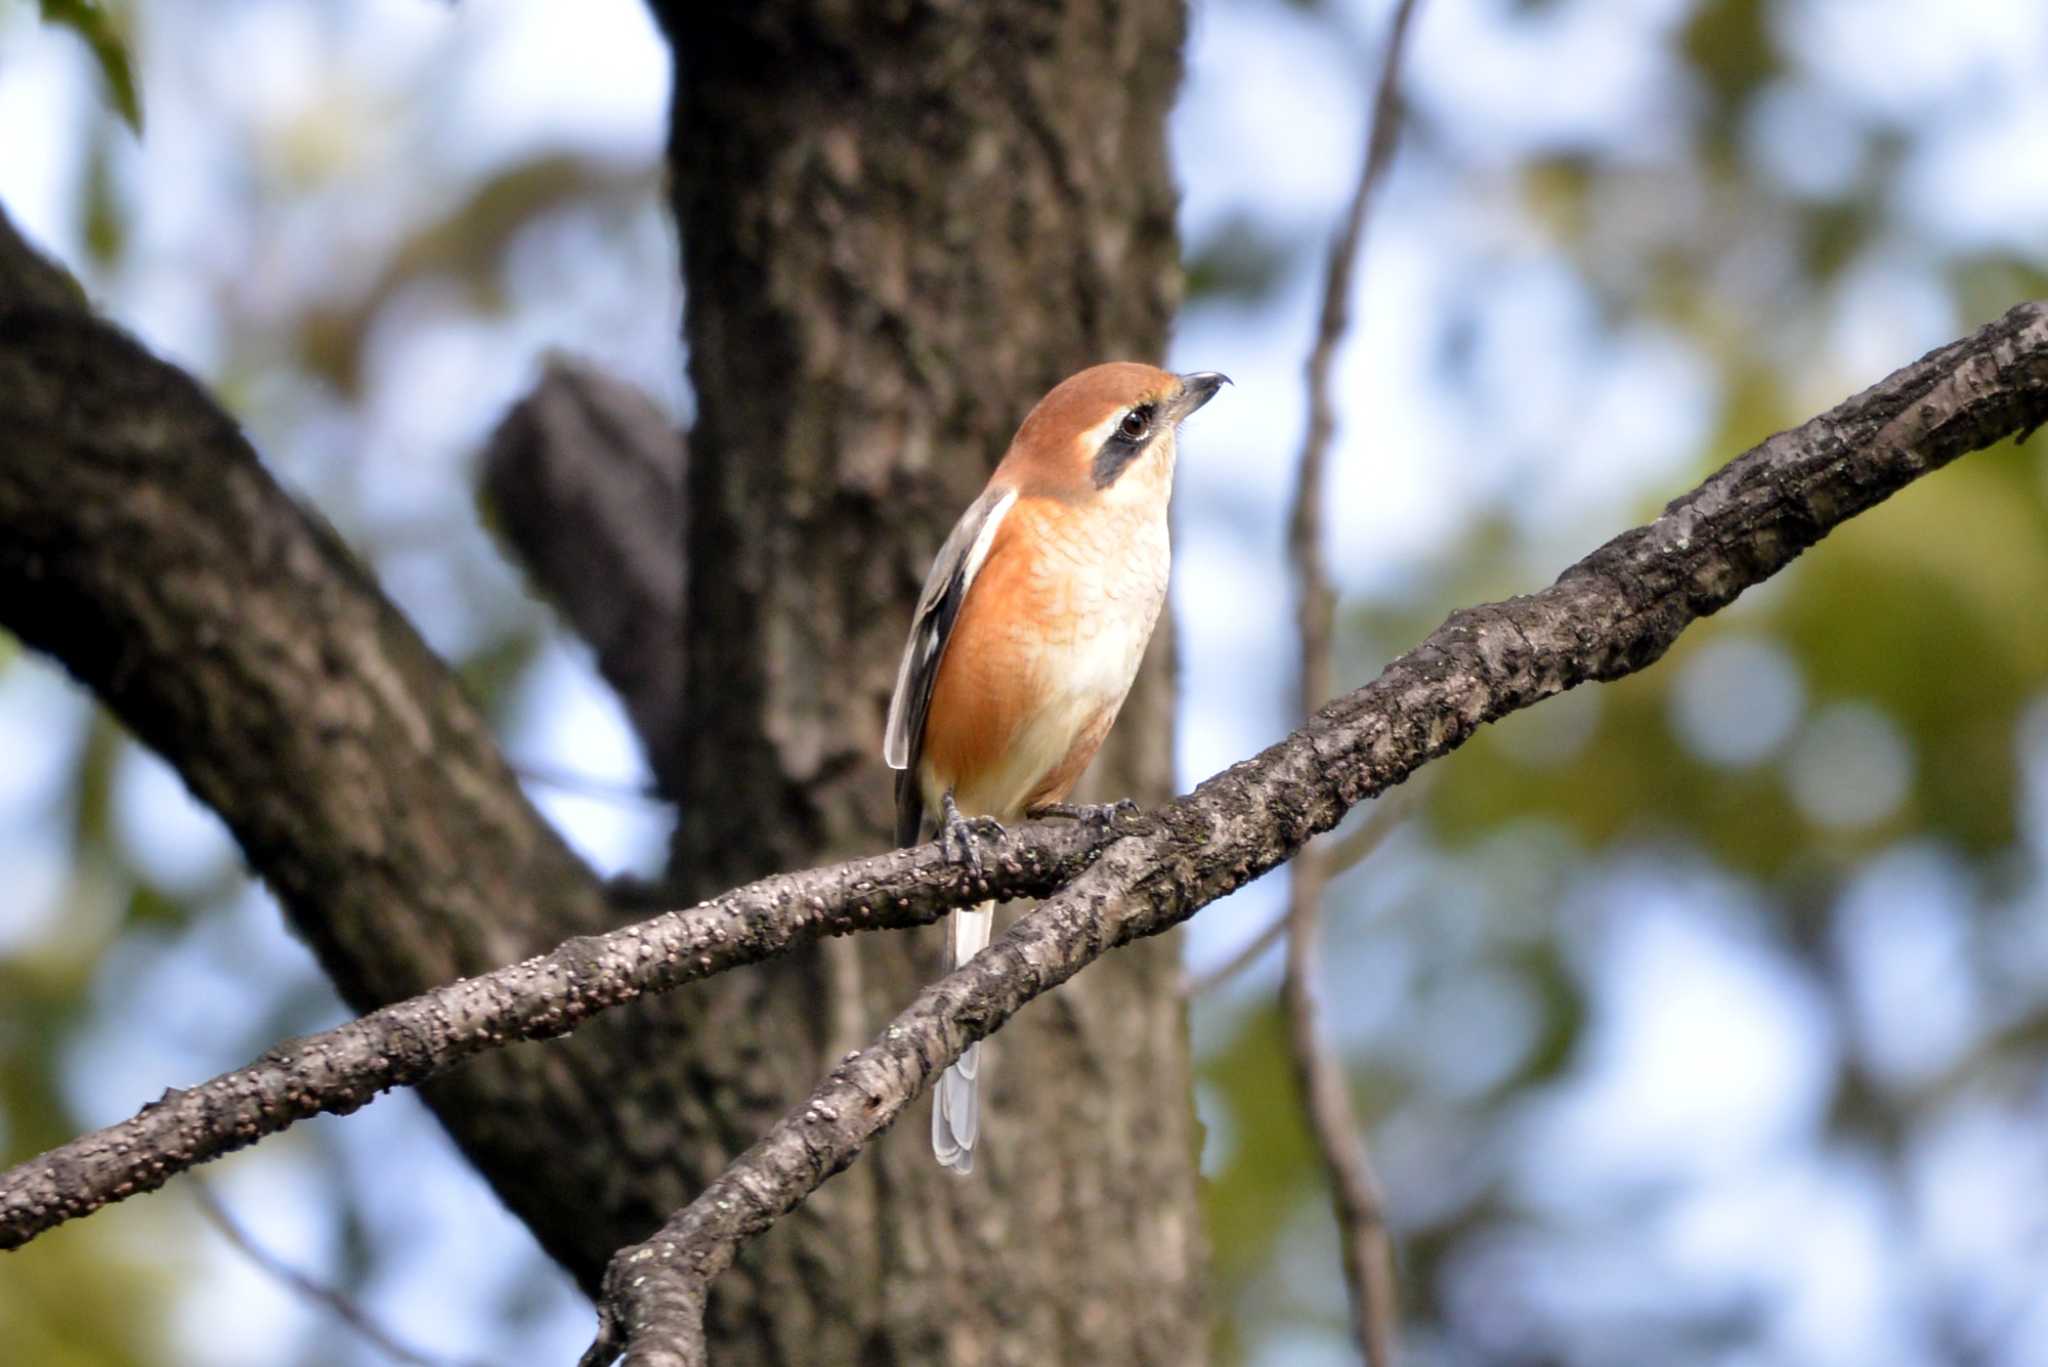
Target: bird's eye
x: 1135, y: 425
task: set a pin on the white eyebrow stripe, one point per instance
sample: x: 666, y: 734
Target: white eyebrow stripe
x: 1093, y: 438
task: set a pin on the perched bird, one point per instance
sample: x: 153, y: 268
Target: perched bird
x: 1029, y: 632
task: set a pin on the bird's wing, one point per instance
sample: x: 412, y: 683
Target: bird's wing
x: 945, y: 588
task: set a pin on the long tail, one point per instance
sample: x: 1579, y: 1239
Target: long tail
x: 956, y: 1103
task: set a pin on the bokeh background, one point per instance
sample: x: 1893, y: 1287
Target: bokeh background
x: 1701, y: 1018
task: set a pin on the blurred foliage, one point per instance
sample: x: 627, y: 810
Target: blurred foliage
x: 1919, y: 619
x: 469, y: 244
x: 1728, y: 45
x: 1238, y: 260
x: 1944, y: 599
x: 94, y: 1293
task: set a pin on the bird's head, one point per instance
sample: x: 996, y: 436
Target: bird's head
x: 1107, y: 434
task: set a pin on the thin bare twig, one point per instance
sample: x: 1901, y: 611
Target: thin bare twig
x: 1253, y: 950
x: 585, y: 785
x: 332, y: 1299
x: 1346, y: 852
x: 1338, y: 855
x: 1355, y: 1192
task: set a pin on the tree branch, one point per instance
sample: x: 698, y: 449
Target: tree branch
x: 1355, y: 1195
x: 586, y: 477
x: 1613, y: 613
x: 1338, y: 855
x: 329, y: 1298
x: 341, y: 1069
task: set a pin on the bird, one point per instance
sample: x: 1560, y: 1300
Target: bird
x: 1028, y: 633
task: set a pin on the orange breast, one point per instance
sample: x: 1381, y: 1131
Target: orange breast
x: 990, y: 678
x: 1041, y: 656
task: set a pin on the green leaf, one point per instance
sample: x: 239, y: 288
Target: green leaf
x: 1730, y: 45
x: 1240, y: 260
x: 150, y: 906
x: 109, y: 45
x: 106, y: 222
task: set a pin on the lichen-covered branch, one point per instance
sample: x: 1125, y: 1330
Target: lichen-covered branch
x: 1613, y: 613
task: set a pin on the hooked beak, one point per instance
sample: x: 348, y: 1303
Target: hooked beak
x: 1197, y: 387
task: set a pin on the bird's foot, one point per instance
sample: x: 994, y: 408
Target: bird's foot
x: 957, y: 834
x: 1099, y: 817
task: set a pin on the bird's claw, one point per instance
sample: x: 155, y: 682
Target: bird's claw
x: 957, y: 835
x: 1098, y: 817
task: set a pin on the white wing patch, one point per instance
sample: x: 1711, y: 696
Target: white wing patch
x: 977, y: 554
x: 952, y: 573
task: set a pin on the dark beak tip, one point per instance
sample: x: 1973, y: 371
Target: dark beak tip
x: 1200, y: 386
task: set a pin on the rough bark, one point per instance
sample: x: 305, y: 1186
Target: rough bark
x: 901, y: 224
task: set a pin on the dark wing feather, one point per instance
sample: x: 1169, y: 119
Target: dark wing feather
x: 938, y: 606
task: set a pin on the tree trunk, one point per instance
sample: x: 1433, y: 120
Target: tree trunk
x: 900, y: 229
x: 901, y: 224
